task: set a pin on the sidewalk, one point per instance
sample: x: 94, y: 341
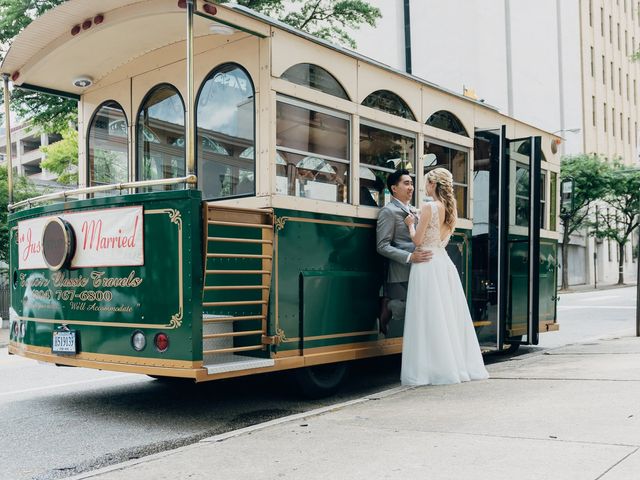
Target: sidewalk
x: 4, y: 337
x: 568, y: 413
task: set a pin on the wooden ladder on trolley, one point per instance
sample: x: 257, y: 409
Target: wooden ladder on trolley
x: 237, y: 283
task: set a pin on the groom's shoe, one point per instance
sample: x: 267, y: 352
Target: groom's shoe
x: 385, y: 316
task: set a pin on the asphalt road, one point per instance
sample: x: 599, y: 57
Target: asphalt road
x: 57, y: 422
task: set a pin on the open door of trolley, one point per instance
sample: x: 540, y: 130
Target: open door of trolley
x: 505, y: 238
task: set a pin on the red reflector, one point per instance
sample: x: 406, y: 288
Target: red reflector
x: 75, y: 30
x: 161, y: 341
x: 86, y: 24
x: 98, y: 19
x: 182, y: 3
x: 15, y: 76
x: 210, y: 9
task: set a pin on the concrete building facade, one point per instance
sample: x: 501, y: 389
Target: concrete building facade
x: 563, y: 65
x: 26, y: 155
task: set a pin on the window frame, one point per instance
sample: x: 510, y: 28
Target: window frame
x: 146, y: 97
x: 282, y: 98
x: 398, y: 131
x: 88, y: 139
x: 453, y: 146
x: 208, y: 77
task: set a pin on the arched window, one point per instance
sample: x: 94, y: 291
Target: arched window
x: 160, y: 135
x: 313, y: 76
x: 389, y: 102
x: 226, y: 133
x: 107, y: 145
x: 447, y: 121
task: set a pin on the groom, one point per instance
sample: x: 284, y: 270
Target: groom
x: 394, y: 243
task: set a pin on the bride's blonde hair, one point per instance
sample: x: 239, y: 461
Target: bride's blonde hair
x: 444, y: 190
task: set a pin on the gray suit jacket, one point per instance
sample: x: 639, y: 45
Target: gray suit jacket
x: 393, y: 240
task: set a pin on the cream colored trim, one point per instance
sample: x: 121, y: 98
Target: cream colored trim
x: 387, y: 119
x: 98, y: 360
x: 335, y: 335
x: 450, y: 139
x: 316, y: 97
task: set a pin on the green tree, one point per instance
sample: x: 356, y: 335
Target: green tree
x: 22, y: 189
x: 48, y: 112
x: 619, y: 222
x: 588, y: 173
x: 62, y: 157
x: 327, y: 19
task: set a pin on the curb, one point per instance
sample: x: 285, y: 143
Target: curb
x: 242, y: 431
x: 590, y: 288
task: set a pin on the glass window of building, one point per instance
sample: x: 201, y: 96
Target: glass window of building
x: 456, y: 160
x: 447, y: 121
x: 313, y: 76
x: 107, y: 146
x: 382, y: 151
x: 225, y: 146
x: 160, y: 135
x: 313, y: 154
x: 389, y: 102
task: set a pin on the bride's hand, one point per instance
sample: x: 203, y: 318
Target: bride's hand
x: 410, y: 220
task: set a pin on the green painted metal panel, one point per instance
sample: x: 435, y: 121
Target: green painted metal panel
x: 338, y: 303
x: 519, y: 282
x: 333, y: 248
x: 163, y: 294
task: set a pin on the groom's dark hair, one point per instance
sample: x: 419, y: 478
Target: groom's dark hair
x: 394, y: 177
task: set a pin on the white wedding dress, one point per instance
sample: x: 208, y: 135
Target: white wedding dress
x: 439, y: 344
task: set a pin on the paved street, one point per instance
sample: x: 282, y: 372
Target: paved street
x: 593, y: 314
x: 61, y: 421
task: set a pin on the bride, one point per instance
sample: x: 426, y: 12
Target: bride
x: 440, y: 344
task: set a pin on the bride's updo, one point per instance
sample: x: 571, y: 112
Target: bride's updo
x: 444, y: 191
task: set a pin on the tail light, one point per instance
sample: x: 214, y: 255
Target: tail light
x: 161, y: 342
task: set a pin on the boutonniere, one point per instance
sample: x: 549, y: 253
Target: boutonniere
x: 413, y: 210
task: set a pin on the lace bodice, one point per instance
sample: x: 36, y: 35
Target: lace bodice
x: 432, y: 233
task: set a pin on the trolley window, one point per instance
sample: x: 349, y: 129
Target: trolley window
x: 553, y: 190
x: 447, y: 121
x: 382, y: 151
x: 107, y: 145
x: 312, y: 158
x: 226, y: 133
x: 313, y: 76
x: 454, y: 159
x: 160, y: 135
x: 522, y: 196
x: 389, y: 102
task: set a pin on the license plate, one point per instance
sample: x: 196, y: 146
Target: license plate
x: 64, y: 342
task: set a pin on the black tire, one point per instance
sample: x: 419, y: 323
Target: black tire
x: 322, y: 380
x: 172, y: 380
x: 513, y: 347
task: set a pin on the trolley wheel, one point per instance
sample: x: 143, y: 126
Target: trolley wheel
x: 321, y: 380
x: 513, y: 347
x: 171, y: 380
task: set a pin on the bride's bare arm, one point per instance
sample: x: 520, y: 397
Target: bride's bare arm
x: 417, y: 234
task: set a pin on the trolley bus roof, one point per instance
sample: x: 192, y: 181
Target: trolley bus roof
x: 47, y: 56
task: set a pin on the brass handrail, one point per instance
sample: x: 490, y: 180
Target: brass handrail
x: 190, y: 179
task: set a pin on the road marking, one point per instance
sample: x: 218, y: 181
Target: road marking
x: 605, y: 297
x: 572, y: 307
x: 69, y: 384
